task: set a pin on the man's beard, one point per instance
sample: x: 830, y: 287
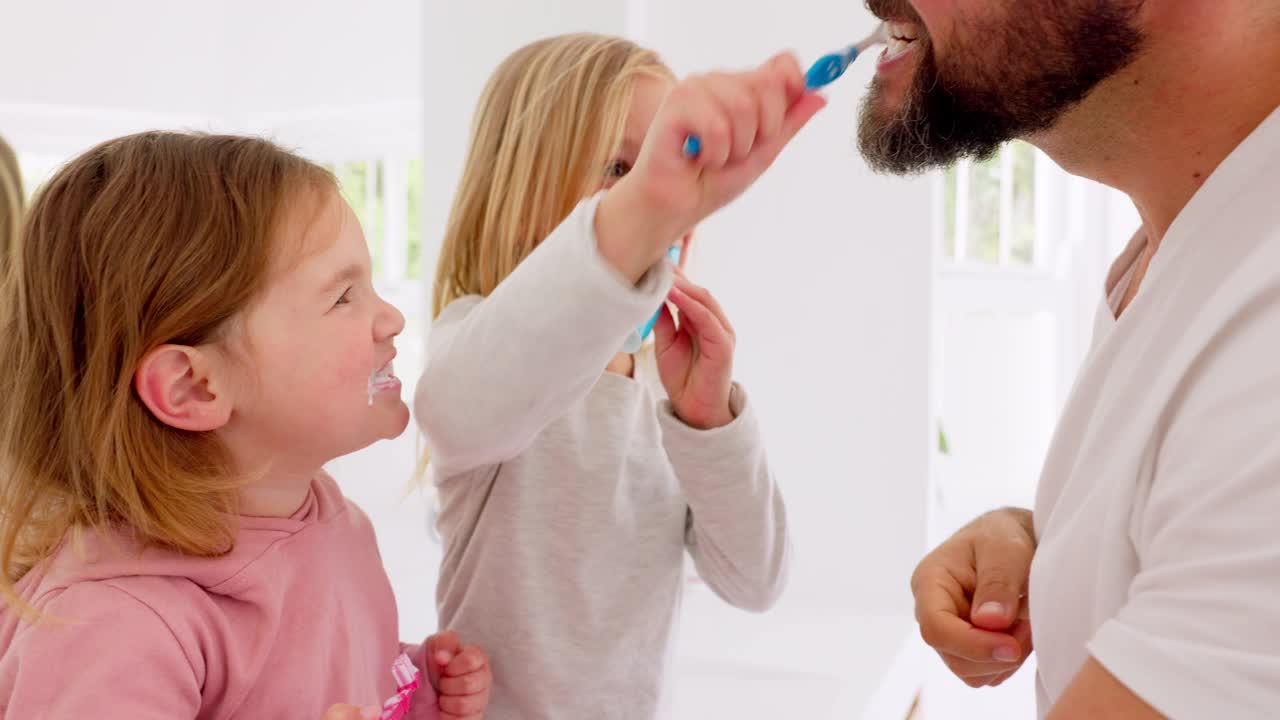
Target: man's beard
x: 1000, y: 81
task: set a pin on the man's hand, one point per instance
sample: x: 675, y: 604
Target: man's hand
x: 970, y: 597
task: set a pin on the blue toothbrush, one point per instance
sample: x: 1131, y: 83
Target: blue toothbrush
x: 822, y: 73
x: 637, y: 337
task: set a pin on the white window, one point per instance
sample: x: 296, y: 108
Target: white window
x: 996, y: 324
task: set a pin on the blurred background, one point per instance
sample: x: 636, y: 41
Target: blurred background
x: 908, y: 342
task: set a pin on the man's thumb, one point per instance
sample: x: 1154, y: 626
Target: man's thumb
x: 996, y: 599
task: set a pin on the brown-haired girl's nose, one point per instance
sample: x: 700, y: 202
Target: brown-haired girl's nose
x: 390, y: 321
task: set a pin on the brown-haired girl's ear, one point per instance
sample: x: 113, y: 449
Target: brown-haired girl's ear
x: 175, y: 383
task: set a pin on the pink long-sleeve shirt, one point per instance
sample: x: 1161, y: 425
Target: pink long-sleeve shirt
x: 297, y: 617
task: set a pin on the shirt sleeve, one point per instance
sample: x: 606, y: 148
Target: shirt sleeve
x: 500, y: 369
x: 1200, y: 634
x: 737, y: 527
x: 100, y: 653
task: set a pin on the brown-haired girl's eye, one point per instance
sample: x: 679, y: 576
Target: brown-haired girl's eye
x: 619, y: 168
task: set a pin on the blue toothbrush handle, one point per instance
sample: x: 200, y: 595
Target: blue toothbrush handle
x: 636, y: 339
x: 823, y: 72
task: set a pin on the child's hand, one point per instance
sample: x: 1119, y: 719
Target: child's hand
x: 743, y: 121
x: 695, y: 360
x: 461, y: 676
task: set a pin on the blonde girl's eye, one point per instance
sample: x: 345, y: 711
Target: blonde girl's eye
x: 618, y: 169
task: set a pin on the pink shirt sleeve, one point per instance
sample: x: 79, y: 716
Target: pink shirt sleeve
x: 71, y: 664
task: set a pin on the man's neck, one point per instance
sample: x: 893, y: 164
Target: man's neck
x: 1208, y: 76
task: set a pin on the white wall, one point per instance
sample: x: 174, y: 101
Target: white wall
x: 463, y: 44
x: 825, y: 271
x: 137, y: 55
x: 327, y: 76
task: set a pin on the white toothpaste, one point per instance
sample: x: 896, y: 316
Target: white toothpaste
x: 380, y: 380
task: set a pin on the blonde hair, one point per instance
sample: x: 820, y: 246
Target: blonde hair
x: 11, y: 200
x: 145, y: 240
x: 545, y: 128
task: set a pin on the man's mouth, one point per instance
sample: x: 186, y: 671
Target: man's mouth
x: 900, y: 38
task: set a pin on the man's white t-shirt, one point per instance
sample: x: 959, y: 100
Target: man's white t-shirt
x: 1158, y: 511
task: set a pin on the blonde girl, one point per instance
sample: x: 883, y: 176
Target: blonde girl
x: 574, y: 478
